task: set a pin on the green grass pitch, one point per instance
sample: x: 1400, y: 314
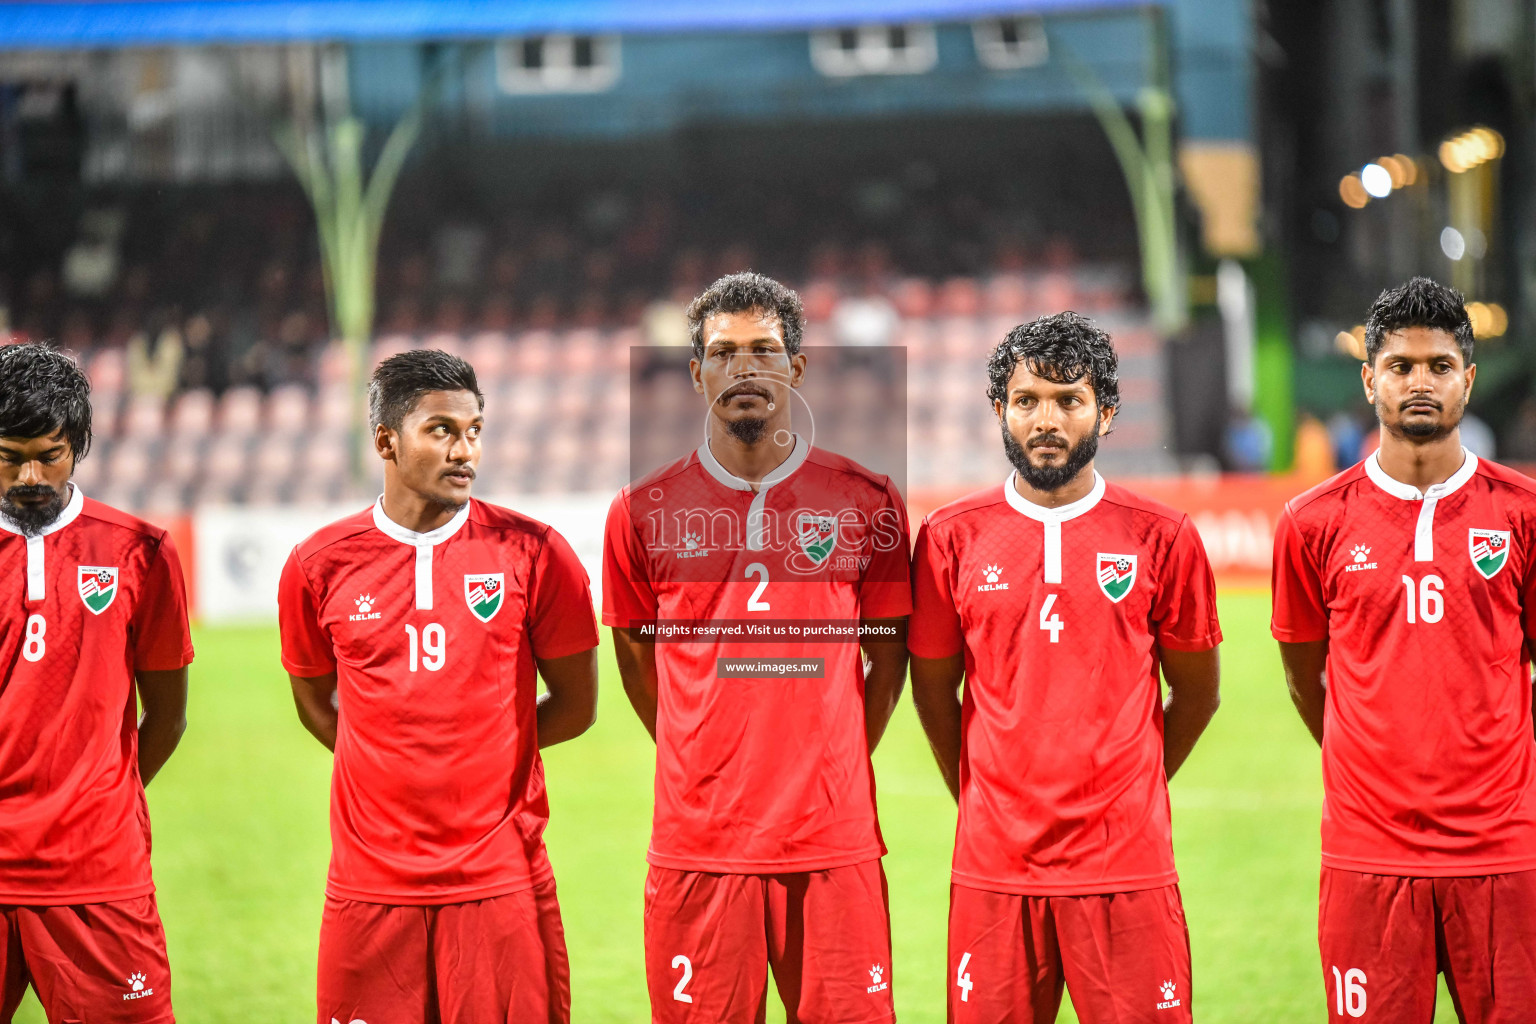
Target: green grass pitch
x: 241, y: 844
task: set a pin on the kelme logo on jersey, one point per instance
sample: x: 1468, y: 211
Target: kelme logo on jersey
x: 1490, y: 550
x: 98, y: 586
x: 1116, y: 575
x: 818, y: 536
x: 483, y: 592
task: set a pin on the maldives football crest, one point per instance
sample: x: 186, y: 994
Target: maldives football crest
x: 1489, y: 550
x: 483, y: 593
x: 98, y: 586
x: 818, y: 536
x: 1117, y: 573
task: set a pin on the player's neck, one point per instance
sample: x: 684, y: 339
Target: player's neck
x: 415, y: 512
x: 1420, y: 465
x: 750, y: 462
x: 1075, y: 489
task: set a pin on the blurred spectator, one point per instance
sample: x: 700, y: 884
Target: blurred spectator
x: 1520, y: 444
x: 1477, y: 437
x: 1347, y: 433
x: 1314, y: 455
x: 1247, y: 443
x: 203, y: 363
x: 154, y: 363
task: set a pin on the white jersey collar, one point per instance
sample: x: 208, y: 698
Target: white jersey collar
x: 1408, y: 492
x: 70, y: 513
x: 797, y: 457
x: 431, y: 538
x: 1061, y: 513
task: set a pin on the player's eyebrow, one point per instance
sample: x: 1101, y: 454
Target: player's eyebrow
x: 10, y: 452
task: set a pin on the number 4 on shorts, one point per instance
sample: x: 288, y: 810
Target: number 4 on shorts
x: 963, y: 979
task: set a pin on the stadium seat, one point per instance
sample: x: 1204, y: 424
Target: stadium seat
x: 145, y: 417
x: 192, y: 414
x: 240, y: 412
x: 108, y: 370
x: 288, y: 409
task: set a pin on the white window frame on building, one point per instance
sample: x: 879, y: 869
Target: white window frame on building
x: 567, y: 63
x: 910, y: 48
x: 1027, y: 47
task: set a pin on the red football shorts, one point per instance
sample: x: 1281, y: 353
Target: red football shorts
x: 99, y: 963
x: 1383, y: 939
x: 1124, y: 957
x: 499, y: 959
x: 710, y: 941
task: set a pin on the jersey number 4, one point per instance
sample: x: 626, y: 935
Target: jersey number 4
x: 1051, y: 623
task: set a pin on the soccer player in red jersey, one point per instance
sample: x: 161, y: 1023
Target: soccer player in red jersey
x: 95, y: 623
x: 1405, y: 607
x: 1055, y: 599
x: 414, y: 633
x: 765, y: 849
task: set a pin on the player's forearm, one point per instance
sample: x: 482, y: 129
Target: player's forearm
x: 936, y: 696
x: 321, y: 723
x: 884, y: 677
x: 637, y: 671
x: 560, y: 718
x: 159, y: 733
x: 1305, y: 677
x: 1185, y: 717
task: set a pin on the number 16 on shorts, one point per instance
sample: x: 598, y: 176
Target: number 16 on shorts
x: 1349, y: 992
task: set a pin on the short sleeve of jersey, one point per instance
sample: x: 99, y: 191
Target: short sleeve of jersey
x: 306, y: 648
x: 886, y: 589
x: 161, y: 638
x: 627, y: 595
x: 1528, y: 597
x: 560, y: 609
x: 1184, y: 610
x: 935, y: 630
x: 1300, y: 614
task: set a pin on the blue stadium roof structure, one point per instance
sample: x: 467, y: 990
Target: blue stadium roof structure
x: 82, y: 24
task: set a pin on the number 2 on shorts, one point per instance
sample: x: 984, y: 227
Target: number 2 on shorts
x: 687, y: 966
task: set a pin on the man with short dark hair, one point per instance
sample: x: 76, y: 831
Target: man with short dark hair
x: 1055, y: 599
x: 1405, y: 608
x: 95, y: 620
x: 765, y: 850
x: 414, y: 634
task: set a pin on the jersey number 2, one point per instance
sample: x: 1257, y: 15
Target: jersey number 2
x: 754, y: 604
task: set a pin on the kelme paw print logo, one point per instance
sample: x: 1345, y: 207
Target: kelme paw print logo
x: 993, y: 572
x: 136, y: 981
x: 1360, y: 553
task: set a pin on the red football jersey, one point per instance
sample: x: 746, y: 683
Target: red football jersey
x: 437, y: 790
x: 1427, y: 602
x: 1060, y: 613
x: 95, y: 597
x: 758, y: 773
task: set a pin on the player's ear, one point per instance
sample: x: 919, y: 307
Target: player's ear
x: 1106, y: 419
x: 796, y: 369
x: 1471, y: 376
x: 1368, y: 381
x: 998, y: 410
x: 385, y: 442
x: 695, y: 370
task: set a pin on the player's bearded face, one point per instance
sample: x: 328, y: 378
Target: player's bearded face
x: 1419, y: 384
x: 34, y: 480
x: 1050, y: 430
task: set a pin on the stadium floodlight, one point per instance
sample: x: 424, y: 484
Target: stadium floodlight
x: 1453, y: 244
x: 1377, y: 180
